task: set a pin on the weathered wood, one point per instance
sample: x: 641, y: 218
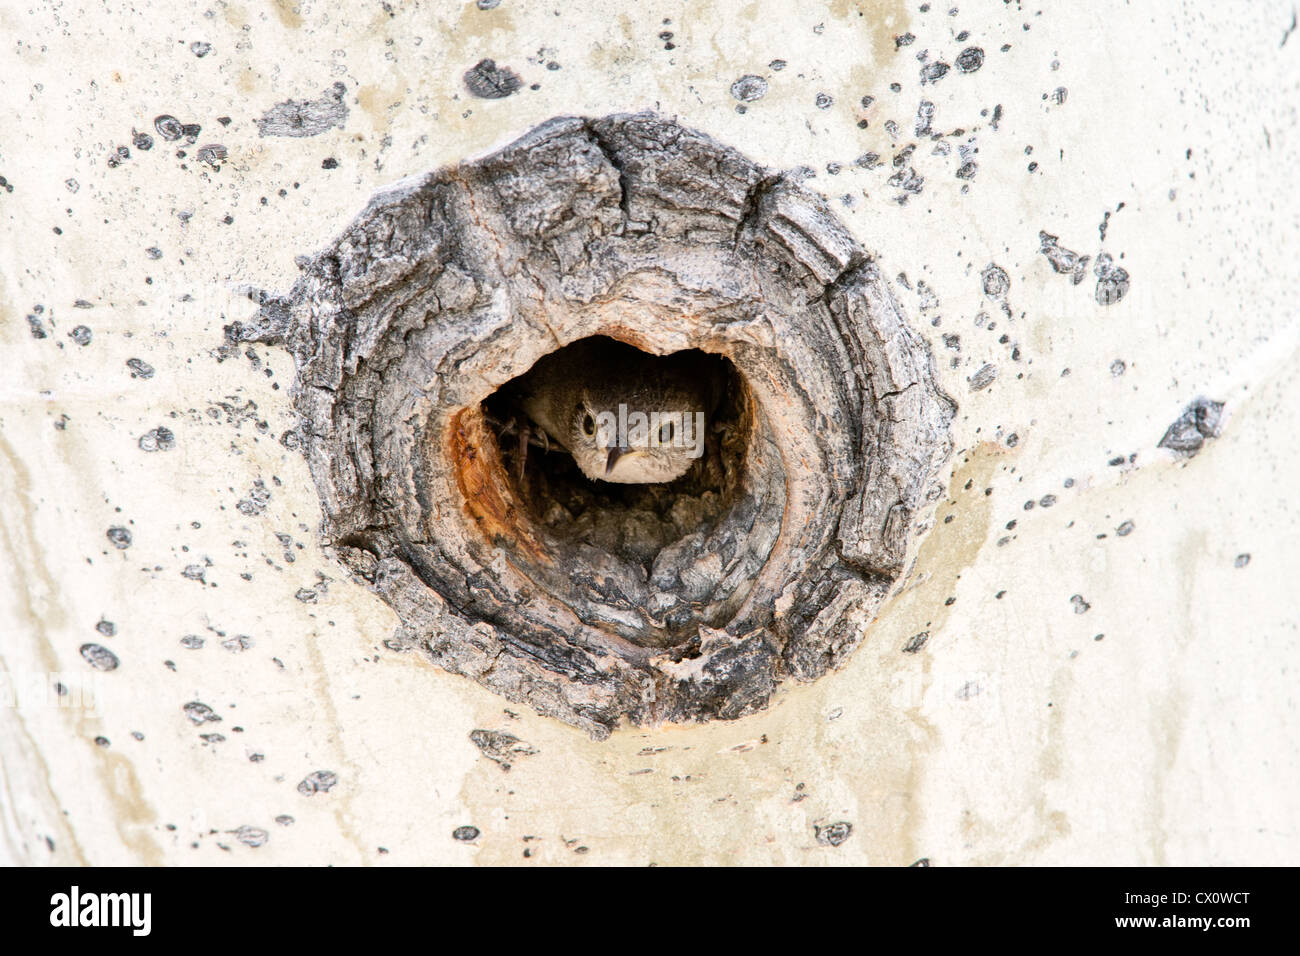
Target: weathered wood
x: 452, y: 284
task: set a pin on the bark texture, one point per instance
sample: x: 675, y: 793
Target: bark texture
x: 451, y: 284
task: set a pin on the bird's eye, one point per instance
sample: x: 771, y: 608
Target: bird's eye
x: 666, y: 433
x: 588, y: 425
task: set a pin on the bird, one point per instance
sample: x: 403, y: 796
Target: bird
x: 626, y: 416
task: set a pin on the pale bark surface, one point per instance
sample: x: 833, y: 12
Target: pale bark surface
x: 1089, y: 656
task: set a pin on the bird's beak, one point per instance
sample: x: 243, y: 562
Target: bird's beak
x: 614, y: 455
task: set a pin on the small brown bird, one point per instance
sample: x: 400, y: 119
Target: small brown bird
x: 626, y: 416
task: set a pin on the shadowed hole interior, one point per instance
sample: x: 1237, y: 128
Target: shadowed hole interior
x: 637, y: 528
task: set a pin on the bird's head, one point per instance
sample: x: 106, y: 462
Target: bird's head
x: 635, y: 437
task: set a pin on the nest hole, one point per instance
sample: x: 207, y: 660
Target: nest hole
x: 633, y: 522
x: 647, y: 541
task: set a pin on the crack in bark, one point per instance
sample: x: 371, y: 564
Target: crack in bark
x: 611, y: 156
